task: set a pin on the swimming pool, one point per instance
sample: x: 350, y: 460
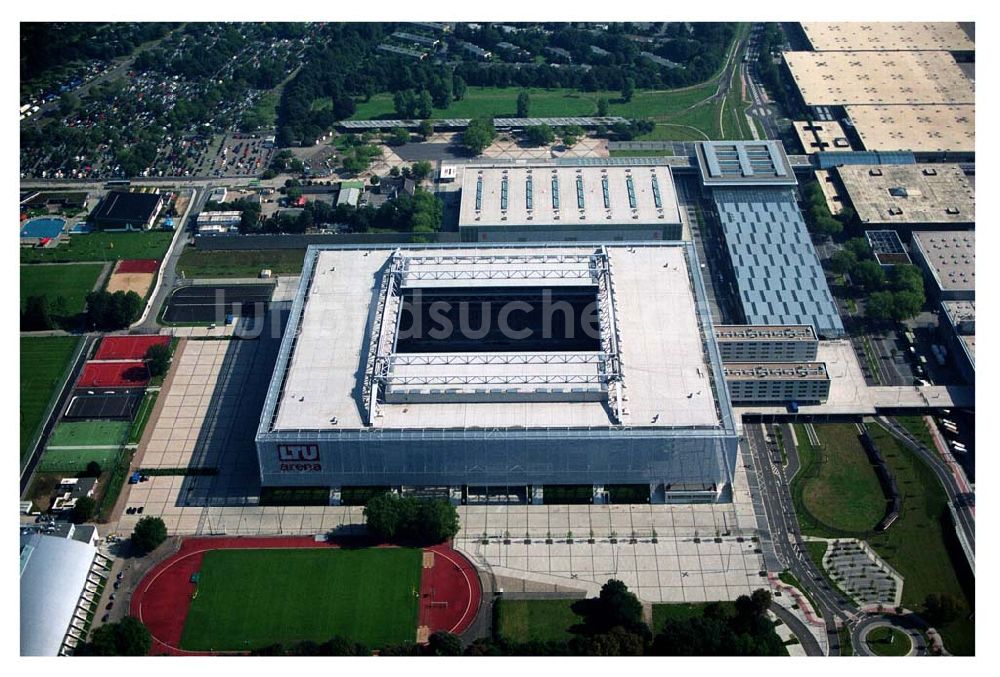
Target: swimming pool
x: 45, y: 227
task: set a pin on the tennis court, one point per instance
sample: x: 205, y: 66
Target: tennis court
x: 211, y: 303
x: 128, y: 347
x: 112, y: 404
x: 126, y: 374
x: 137, y: 266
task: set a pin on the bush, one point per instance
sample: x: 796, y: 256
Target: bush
x: 148, y: 534
x: 411, y: 520
x: 478, y: 135
x: 127, y: 637
x: 540, y: 135
x: 84, y: 509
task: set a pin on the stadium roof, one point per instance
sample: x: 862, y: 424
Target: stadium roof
x: 843, y: 78
x: 340, y: 329
x: 951, y: 258
x: 778, y: 275
x: 53, y: 575
x: 838, y: 36
x: 732, y: 163
x: 921, y: 129
x: 910, y: 194
x: 542, y: 195
x: 127, y: 207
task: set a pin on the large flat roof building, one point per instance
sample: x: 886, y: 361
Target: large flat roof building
x: 762, y: 343
x: 744, y: 163
x: 949, y: 259
x: 885, y: 36
x: 821, y: 135
x: 777, y: 382
x: 921, y: 195
x: 931, y: 130
x: 505, y: 203
x: 379, y: 382
x: 879, y: 78
x: 127, y: 210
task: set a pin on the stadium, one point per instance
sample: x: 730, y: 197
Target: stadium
x: 460, y: 369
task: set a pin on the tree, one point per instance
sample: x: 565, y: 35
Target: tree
x: 68, y: 102
x: 868, y: 276
x: 127, y: 637
x: 157, y: 359
x: 439, y: 521
x: 107, y: 311
x: 443, y: 643
x: 906, y: 304
x: 458, y: 87
x: 408, y: 519
x: 84, y: 509
x: 618, y: 606
x: 540, y: 135
x: 36, y: 315
x: 940, y: 609
x: 569, y: 140
x: 602, y: 107
x: 398, y: 137
x: 843, y: 261
x: 426, y: 129
x: 880, y: 306
x: 478, y: 135
x: 859, y: 247
x: 628, y: 89
x: 424, y: 105
x: 148, y: 534
x: 523, y: 104
x: 421, y: 170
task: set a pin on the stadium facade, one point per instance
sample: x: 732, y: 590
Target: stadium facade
x: 362, y: 396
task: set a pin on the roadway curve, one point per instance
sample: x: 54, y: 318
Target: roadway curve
x: 902, y: 623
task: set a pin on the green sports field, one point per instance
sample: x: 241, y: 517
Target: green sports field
x: 252, y: 598
x: 71, y: 281
x: 103, y: 247
x: 89, y: 434
x: 44, y: 361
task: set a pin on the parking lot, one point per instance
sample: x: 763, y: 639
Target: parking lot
x: 234, y: 155
x: 212, y: 303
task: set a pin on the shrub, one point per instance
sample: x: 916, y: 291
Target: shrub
x: 148, y: 534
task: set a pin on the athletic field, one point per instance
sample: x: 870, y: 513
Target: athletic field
x: 251, y: 598
x: 70, y: 281
x: 43, y: 362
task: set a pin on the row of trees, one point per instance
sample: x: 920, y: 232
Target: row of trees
x: 818, y: 217
x: 897, y: 295
x: 407, y: 519
x: 107, y: 311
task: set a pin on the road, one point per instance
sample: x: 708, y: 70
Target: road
x: 785, y: 537
x: 761, y: 108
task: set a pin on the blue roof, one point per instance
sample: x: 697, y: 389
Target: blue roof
x: 828, y: 159
x: 778, y: 274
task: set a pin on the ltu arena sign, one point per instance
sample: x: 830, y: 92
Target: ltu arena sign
x: 299, y: 458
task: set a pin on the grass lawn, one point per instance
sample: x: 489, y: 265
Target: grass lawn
x: 103, y: 247
x: 916, y: 426
x: 836, y: 488
x: 89, y: 434
x: 70, y: 281
x: 679, y: 612
x: 252, y: 598
x: 44, y: 361
x: 76, y: 460
x: 922, y: 546
x: 142, y: 417
x: 195, y: 263
x: 540, y: 620
x: 885, y: 641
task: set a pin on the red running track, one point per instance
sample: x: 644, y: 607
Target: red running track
x: 163, y: 597
x: 137, y: 266
x: 125, y: 374
x: 128, y: 347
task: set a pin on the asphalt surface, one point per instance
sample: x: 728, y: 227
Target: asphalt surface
x: 806, y: 638
x: 785, y: 537
x: 211, y: 303
x: 904, y: 624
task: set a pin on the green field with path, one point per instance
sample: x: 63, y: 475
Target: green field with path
x: 44, y: 361
x: 103, y: 247
x: 70, y: 281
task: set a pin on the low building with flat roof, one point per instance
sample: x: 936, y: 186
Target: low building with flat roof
x: 959, y: 334
x: 931, y: 131
x: 777, y: 382
x: 919, y: 196
x: 961, y: 315
x: 505, y: 203
x: 127, y: 210
x: 821, y: 135
x: 380, y: 382
x: 886, y: 36
x: 766, y: 343
x: 887, y: 247
x: 744, y: 163
x: 878, y: 78
x: 949, y: 260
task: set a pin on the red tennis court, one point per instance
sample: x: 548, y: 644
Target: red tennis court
x: 128, y: 347
x: 137, y: 266
x: 113, y: 375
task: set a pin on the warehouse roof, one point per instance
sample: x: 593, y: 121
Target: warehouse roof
x: 841, y: 78
x: 731, y: 163
x: 910, y: 194
x: 821, y: 135
x: 836, y: 36
x: 921, y: 129
x: 950, y: 256
x: 53, y: 574
x: 778, y: 275
x: 540, y: 195
x: 335, y: 328
x: 127, y: 207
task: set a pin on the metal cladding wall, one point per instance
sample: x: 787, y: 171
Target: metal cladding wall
x: 480, y: 457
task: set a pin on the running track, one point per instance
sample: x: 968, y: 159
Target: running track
x: 450, y: 593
